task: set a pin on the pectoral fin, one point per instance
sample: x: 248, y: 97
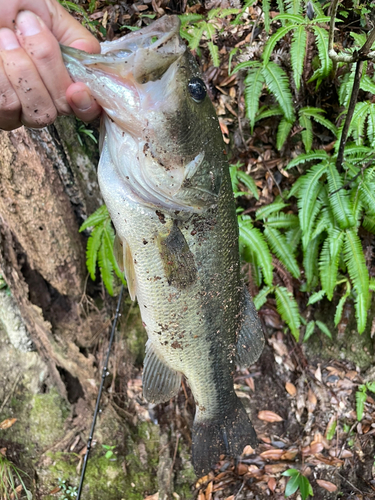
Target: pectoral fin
x: 178, y: 260
x: 250, y: 340
x: 160, y: 383
x: 123, y: 256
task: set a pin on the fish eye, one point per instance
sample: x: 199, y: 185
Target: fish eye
x: 197, y: 89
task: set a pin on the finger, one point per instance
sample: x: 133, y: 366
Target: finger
x: 10, y: 106
x: 38, y: 109
x: 43, y: 49
x: 82, y: 102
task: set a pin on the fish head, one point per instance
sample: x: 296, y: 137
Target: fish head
x: 152, y: 92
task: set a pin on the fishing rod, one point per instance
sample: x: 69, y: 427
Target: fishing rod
x: 104, y: 375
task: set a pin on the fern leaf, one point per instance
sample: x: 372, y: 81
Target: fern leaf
x: 321, y: 36
x: 339, y: 199
x: 340, y: 307
x: 244, y: 65
x: 282, y: 132
x: 307, y: 132
x: 359, y: 152
x: 252, y: 238
x: 309, y: 330
x: 266, y: 11
x: 359, y: 38
x: 294, y: 6
x: 278, y: 84
x: 109, y: 237
x: 288, y: 310
x: 98, y: 217
x: 371, y: 125
x: 303, y: 158
x: 360, y: 399
x: 270, y: 45
x: 190, y: 18
x: 265, y: 211
x: 283, y: 221
x: 310, y: 260
x: 293, y: 237
x: 197, y: 33
x: 315, y: 113
x: 323, y: 328
x: 367, y: 84
x: 307, y: 199
x: 261, y: 298
x: 357, y: 124
x: 268, y: 113
x: 93, y: 245
x: 324, y: 223
x: 294, y: 18
x: 367, y: 196
x: 254, y: 82
x: 214, y: 52
x: 356, y: 264
x: 369, y: 223
x: 282, y: 250
x: 297, y: 53
x: 329, y: 261
x: 248, y: 182
x: 105, y: 265
x: 280, y: 6
x: 315, y: 297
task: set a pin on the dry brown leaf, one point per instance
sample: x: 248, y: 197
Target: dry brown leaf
x: 326, y: 485
x: 328, y: 460
x: 269, y: 416
x: 3, y: 451
x: 201, y: 496
x: 264, y: 438
x: 318, y: 374
x: 289, y: 454
x: 311, y: 401
x: 346, y: 454
x: 291, y: 388
x: 5, y: 424
x: 272, y: 484
x: 275, y: 468
x: 55, y: 490
x: 316, y: 447
x: 201, y: 481
x: 305, y: 451
x: 208, y: 493
x: 155, y: 496
x: 254, y: 471
x: 274, y: 454
x: 351, y: 375
x: 248, y: 450
x: 242, y: 469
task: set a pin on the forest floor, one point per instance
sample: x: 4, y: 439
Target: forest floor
x: 303, y: 400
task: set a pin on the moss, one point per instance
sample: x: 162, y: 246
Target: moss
x: 134, y: 333
x: 186, y: 477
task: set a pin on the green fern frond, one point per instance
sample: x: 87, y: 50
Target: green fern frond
x: 252, y: 238
x: 340, y: 305
x: 307, y: 157
x: 293, y: 236
x: 321, y: 36
x: 324, y: 222
x: 339, y: 199
x: 261, y: 298
x: 315, y: 297
x: 254, y: 82
x: 283, y: 221
x: 214, y: 53
x: 108, y: 240
x: 360, y: 399
x: 371, y: 125
x: 244, y: 65
x: 268, y: 113
x: 329, y: 261
x: 267, y: 210
x: 359, y: 38
x: 357, y: 124
x: 316, y: 114
x: 278, y: 84
x: 356, y: 264
x: 358, y: 152
x: 93, y: 245
x: 294, y: 18
x: 196, y: 33
x: 288, y: 310
x: 346, y: 87
x: 98, y: 217
x: 283, y: 131
x: 310, y: 260
x: 266, y: 11
x: 297, y: 53
x: 283, y: 251
x: 270, y: 45
x: 190, y: 18
x: 367, y: 84
x: 369, y: 223
x: 309, y: 330
x: 307, y: 132
x: 105, y: 265
x: 248, y: 182
x: 294, y: 6
x: 324, y: 328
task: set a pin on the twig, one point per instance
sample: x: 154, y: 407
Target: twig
x: 349, y: 116
x: 352, y: 485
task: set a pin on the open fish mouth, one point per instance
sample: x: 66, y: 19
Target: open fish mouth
x: 136, y: 58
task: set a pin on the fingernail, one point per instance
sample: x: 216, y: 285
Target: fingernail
x: 82, y: 100
x: 8, y: 40
x: 28, y: 24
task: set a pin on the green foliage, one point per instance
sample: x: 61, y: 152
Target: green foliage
x: 10, y: 478
x: 331, y: 430
x: 99, y: 249
x: 67, y: 492
x: 239, y: 177
x: 297, y: 481
x: 361, y: 396
x: 109, y: 454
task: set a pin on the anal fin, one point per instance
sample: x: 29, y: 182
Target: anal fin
x: 250, y: 341
x: 160, y: 383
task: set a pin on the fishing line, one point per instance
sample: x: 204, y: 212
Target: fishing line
x: 104, y: 375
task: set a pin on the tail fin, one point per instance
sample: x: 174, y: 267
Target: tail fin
x: 228, y: 435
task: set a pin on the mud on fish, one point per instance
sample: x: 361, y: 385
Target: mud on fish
x: 165, y: 179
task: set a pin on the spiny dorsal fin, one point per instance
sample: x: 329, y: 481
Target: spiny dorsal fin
x: 160, y: 383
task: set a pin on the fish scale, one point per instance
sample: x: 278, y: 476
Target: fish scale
x: 165, y: 179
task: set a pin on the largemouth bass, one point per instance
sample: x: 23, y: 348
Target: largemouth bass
x: 165, y: 179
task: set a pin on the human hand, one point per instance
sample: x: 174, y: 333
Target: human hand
x: 35, y: 86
